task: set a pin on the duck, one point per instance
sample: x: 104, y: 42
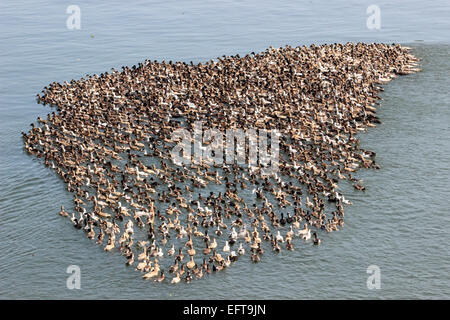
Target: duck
x: 176, y: 279
x: 290, y: 233
x: 91, y: 233
x: 161, y: 276
x: 77, y: 223
x: 307, y: 236
x: 247, y: 237
x: 213, y: 245
x: 180, y: 255
x: 218, y: 232
x: 242, y: 233
x: 233, y: 235
x: 316, y: 240
x: 191, y: 263
x: 143, y: 265
x: 130, y: 259
x: 303, y: 231
x: 191, y: 251
x: 153, y: 273
x: 171, y: 251
x: 143, y: 255
x: 241, y: 249
x: 255, y: 258
x: 289, y: 245
x: 173, y: 268
x: 159, y: 253
x: 199, y: 274
x: 110, y: 245
x: 63, y: 213
x: 282, y: 220
x: 182, y: 270
x: 276, y: 246
x: 188, y: 277
x: 226, y: 248
x: 207, y: 250
x: 108, y: 125
x: 289, y: 219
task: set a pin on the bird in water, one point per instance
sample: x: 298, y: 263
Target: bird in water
x: 110, y: 141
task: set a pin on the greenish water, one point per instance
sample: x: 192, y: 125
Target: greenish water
x: 401, y: 223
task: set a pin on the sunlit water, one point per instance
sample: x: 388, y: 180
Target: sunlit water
x: 401, y: 223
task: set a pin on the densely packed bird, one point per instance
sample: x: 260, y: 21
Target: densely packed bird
x: 111, y: 136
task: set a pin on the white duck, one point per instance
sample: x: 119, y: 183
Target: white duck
x: 241, y: 249
x: 307, y: 236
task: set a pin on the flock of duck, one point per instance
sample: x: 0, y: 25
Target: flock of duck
x: 110, y: 141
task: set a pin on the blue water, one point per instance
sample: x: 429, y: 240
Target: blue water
x: 401, y: 223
